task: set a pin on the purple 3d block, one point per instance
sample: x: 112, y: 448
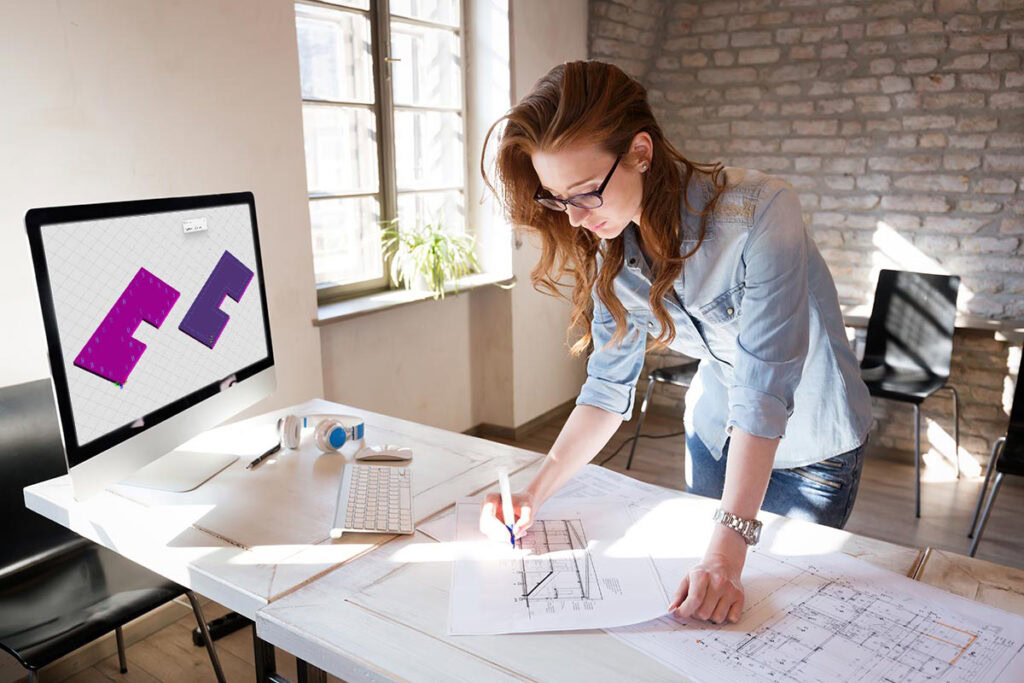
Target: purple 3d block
x: 204, y: 321
x: 111, y: 351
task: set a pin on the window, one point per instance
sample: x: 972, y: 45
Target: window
x: 383, y: 110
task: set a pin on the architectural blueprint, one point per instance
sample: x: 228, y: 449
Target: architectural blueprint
x: 831, y: 618
x: 560, y: 576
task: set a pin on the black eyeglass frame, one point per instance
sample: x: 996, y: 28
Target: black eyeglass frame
x: 537, y: 196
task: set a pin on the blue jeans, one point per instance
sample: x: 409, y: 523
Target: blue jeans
x: 822, y: 492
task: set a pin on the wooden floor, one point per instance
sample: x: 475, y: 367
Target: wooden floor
x: 884, y: 509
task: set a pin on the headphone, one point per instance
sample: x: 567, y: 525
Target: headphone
x: 331, y: 432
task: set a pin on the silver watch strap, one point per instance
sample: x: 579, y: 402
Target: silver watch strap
x: 749, y: 529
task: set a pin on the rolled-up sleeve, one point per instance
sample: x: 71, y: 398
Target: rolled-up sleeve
x: 774, y: 325
x: 613, y: 369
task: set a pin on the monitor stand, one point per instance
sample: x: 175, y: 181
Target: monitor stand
x: 179, y: 471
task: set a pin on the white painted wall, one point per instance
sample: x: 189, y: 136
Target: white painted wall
x: 544, y: 34
x: 108, y: 100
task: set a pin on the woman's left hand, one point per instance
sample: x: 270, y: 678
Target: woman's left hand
x: 712, y: 590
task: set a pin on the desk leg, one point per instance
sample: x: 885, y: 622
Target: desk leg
x: 309, y: 673
x: 266, y: 667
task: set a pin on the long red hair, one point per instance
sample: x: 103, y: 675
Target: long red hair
x: 587, y: 101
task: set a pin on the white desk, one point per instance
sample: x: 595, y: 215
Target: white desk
x: 385, y: 616
x: 370, y: 607
x: 247, y: 537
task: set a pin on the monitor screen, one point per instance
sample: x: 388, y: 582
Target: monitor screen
x: 149, y: 308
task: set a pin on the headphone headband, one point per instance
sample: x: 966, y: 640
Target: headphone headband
x: 290, y: 426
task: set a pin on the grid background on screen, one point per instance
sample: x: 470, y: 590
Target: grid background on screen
x: 90, y: 264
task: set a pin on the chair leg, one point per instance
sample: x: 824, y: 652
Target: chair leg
x: 33, y: 676
x: 984, y: 515
x: 121, y: 659
x: 917, y: 460
x: 989, y: 469
x: 211, y: 650
x: 956, y: 426
x: 640, y: 421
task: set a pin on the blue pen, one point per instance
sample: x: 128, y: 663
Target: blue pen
x: 507, y: 510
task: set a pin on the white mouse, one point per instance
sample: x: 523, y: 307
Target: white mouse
x: 384, y: 453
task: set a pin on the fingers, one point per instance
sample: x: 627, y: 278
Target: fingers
x: 677, y: 597
x: 709, y: 597
x: 735, y: 611
x: 695, y: 595
x: 490, y: 525
x: 524, y: 522
x: 721, y: 610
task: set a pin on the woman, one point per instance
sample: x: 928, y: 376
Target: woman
x: 723, y: 271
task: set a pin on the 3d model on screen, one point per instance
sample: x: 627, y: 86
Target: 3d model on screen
x: 204, y: 321
x: 112, y: 352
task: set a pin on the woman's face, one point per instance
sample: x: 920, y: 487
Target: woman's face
x: 582, y: 168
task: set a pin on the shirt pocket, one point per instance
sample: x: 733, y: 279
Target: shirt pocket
x: 725, y: 308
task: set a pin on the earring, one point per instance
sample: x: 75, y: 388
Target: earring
x: 643, y: 167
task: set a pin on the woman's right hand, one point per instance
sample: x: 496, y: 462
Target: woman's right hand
x: 492, y: 521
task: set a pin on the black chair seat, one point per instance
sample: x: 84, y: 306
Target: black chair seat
x: 51, y: 608
x: 679, y: 375
x: 906, y: 387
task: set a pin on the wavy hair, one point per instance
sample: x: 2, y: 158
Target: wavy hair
x: 586, y: 101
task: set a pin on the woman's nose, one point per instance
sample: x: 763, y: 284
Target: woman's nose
x: 576, y: 215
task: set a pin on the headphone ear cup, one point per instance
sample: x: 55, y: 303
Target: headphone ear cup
x: 330, y: 436
x: 289, y: 428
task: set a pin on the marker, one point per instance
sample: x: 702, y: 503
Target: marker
x: 266, y: 454
x: 507, y: 511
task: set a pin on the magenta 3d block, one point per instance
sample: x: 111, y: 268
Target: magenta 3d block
x: 111, y: 351
x: 204, y: 321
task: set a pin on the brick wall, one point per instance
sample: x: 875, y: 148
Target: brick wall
x: 901, y: 125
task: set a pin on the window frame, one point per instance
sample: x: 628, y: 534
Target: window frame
x: 379, y: 14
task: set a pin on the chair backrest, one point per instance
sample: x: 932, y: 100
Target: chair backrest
x: 1013, y: 449
x: 30, y: 451
x: 911, y: 325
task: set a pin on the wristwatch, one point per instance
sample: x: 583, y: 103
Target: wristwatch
x: 749, y: 529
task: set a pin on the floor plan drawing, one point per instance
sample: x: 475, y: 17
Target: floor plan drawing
x: 832, y: 619
x: 556, y: 565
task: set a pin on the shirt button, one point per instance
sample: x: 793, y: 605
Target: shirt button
x: 729, y: 311
x: 651, y: 325
x: 632, y: 261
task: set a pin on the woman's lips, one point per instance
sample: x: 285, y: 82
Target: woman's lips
x: 597, y: 227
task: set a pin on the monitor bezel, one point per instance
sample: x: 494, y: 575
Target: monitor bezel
x: 36, y: 220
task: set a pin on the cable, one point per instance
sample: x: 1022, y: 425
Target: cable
x: 642, y: 436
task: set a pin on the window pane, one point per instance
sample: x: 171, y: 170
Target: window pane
x: 341, y: 149
x: 346, y: 240
x: 419, y: 208
x: 335, y: 57
x: 429, y: 72
x: 437, y: 11
x: 428, y: 149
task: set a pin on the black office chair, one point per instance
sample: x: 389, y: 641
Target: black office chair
x: 1007, y: 458
x: 679, y: 375
x: 909, y: 346
x: 59, y: 591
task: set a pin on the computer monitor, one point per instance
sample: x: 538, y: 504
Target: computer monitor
x: 156, y: 324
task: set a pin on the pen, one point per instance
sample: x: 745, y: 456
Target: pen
x: 507, y: 511
x: 269, y: 452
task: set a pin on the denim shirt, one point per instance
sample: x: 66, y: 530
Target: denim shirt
x: 757, y: 306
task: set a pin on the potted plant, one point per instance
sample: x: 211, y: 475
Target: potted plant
x: 427, y: 256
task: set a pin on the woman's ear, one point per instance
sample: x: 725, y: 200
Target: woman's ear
x: 641, y: 149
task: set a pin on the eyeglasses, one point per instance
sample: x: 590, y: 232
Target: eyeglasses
x: 587, y: 200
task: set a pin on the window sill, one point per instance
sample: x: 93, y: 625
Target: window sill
x: 380, y: 301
